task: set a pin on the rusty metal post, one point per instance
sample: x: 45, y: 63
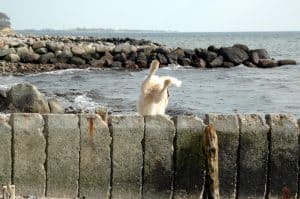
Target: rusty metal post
x: 210, y: 148
x: 8, y: 192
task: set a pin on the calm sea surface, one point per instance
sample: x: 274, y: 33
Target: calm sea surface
x: 234, y: 90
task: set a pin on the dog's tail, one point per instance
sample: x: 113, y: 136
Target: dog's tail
x: 172, y: 81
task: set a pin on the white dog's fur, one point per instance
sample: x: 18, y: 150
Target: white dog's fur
x: 154, y: 92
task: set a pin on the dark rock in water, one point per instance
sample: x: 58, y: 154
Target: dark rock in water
x: 162, y: 59
x: 116, y: 64
x: 163, y: 50
x: 12, y: 58
x: 198, y: 62
x: 234, y: 55
x: 172, y: 58
x: 210, y: 56
x: 77, y: 61
x: 184, y: 61
x: 267, y: 63
x: 72, y: 110
x: 97, y: 63
x: 121, y: 57
x: 241, y: 46
x: 286, y: 62
x: 249, y: 64
x: 41, y: 51
x: 188, y: 53
x: 44, y: 59
x: 26, y: 98
x: 217, y: 62
x: 141, y: 60
x: 131, y: 65
x: 262, y: 53
x: 38, y: 44
x: 132, y: 55
x: 227, y: 64
x: 55, y: 107
x: 212, y: 48
x: 179, y: 52
x: 254, y: 57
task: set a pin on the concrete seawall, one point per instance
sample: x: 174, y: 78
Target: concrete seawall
x: 68, y: 156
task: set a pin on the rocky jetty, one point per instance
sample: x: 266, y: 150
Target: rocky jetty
x: 31, y: 54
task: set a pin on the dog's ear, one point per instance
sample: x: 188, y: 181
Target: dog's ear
x: 168, y: 82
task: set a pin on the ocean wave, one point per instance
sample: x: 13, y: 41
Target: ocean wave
x: 61, y: 72
x: 177, y: 67
x: 84, y: 102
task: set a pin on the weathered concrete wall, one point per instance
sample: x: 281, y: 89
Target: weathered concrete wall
x: 68, y: 156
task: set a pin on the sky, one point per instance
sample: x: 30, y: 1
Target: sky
x: 175, y: 15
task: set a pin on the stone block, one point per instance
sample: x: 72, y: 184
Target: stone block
x: 29, y: 146
x: 63, y: 136
x: 158, y: 161
x: 95, y: 159
x: 228, y: 136
x: 5, y: 151
x: 253, y: 156
x: 284, y: 155
x: 190, y: 165
x: 127, y: 133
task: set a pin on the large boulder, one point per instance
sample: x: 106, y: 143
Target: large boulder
x: 234, y: 54
x: 12, y: 58
x: 26, y: 98
x: 55, y: 106
x: 267, y: 63
x: 125, y: 47
x: 77, y: 50
x: 3, y: 101
x: 44, y: 59
x: 38, y: 44
x: 6, y: 52
x: 217, y: 62
x: 262, y: 53
x: 283, y: 62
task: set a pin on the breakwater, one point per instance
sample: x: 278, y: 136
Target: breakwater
x: 66, y: 155
x: 31, y: 54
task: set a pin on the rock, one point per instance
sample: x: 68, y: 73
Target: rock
x: 130, y: 65
x: 55, y: 106
x: 127, y: 134
x: 12, y: 58
x: 41, y: 51
x: 121, y: 57
x: 254, y: 57
x: 116, y: 64
x: 210, y: 56
x: 249, y: 64
x: 132, y: 56
x: 77, y: 61
x: 103, y: 48
x: 125, y: 47
x: 30, y: 57
x: 172, y: 58
x: 234, y: 55
x: 212, y: 48
x: 262, y: 53
x: 198, y: 62
x: 65, y: 54
x: 26, y: 98
x: 2, y: 43
x: 5, y: 52
x: 184, y: 61
x: 5, y: 149
x: 97, y: 63
x: 217, y: 62
x: 188, y: 53
x: 44, y: 59
x: 3, y: 100
x: 283, y: 62
x: 179, y: 52
x: 38, y: 44
x: 21, y: 51
x: 95, y: 157
x: 227, y: 64
x: 54, y: 46
x: 162, y: 59
x: 107, y: 59
x: 29, y: 153
x: 163, y: 50
x: 77, y: 50
x: 267, y: 63
x: 241, y: 46
x: 141, y: 60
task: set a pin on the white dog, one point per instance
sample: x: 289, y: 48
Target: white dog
x: 154, y: 96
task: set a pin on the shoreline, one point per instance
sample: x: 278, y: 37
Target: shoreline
x: 27, y: 54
